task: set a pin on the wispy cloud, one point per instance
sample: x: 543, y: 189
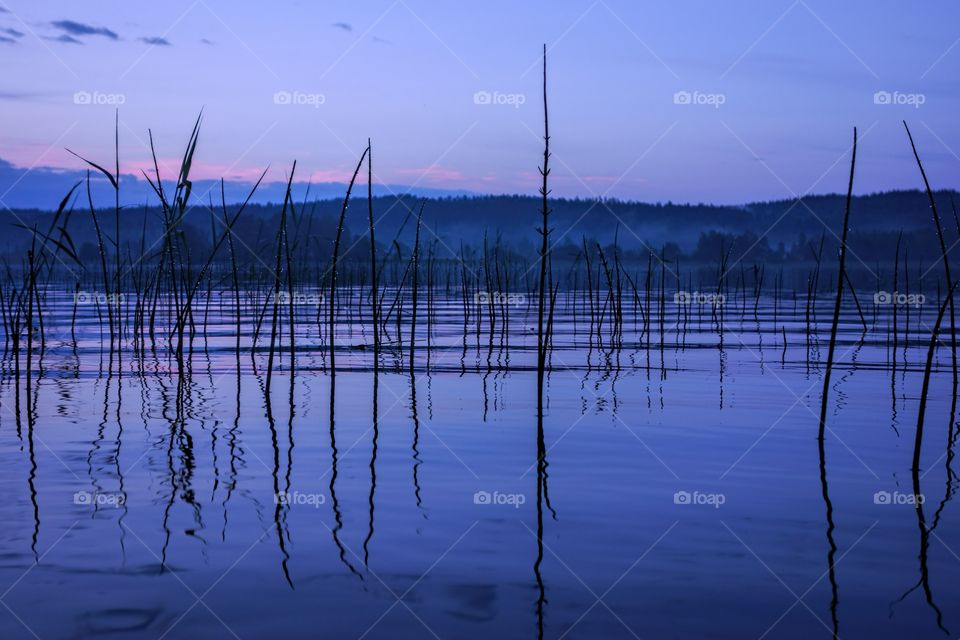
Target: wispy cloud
x: 73, y: 28
x: 64, y: 38
x: 11, y: 33
x: 7, y: 40
x: 16, y: 95
x: 342, y: 25
x: 156, y: 41
x: 207, y: 41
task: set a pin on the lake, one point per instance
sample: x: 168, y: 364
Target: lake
x: 673, y: 489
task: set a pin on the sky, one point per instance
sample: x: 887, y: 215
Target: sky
x: 684, y: 101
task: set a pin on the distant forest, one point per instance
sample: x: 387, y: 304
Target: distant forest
x: 787, y: 232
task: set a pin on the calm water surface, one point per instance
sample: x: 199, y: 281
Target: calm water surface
x: 683, y: 496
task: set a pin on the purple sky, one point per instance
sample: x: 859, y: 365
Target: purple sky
x: 682, y: 101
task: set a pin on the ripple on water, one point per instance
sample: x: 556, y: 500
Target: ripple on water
x: 118, y: 620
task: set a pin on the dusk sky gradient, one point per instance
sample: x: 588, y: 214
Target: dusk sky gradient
x: 794, y: 77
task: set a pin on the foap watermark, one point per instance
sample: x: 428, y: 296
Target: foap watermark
x: 299, y: 99
x: 499, y: 499
x: 885, y: 298
x: 898, y: 498
x: 899, y: 98
x: 496, y: 98
x: 699, y: 298
x: 499, y: 298
x: 296, y: 498
x: 699, y: 498
x: 699, y: 98
x: 300, y: 299
x: 100, y: 499
x: 96, y: 98
x: 81, y: 298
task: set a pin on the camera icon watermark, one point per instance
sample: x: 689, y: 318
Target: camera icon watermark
x: 82, y: 298
x: 497, y: 498
x: 885, y: 298
x: 300, y: 299
x: 96, y: 498
x: 499, y: 298
x: 299, y: 99
x: 684, y: 298
x: 700, y: 98
x: 898, y: 498
x: 96, y: 98
x: 698, y: 498
x: 496, y: 98
x: 899, y: 98
x: 296, y: 498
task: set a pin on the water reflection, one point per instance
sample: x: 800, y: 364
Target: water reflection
x: 831, y: 543
x: 334, y: 453
x: 416, y: 441
x: 373, y: 469
x: 593, y: 498
x: 280, y: 504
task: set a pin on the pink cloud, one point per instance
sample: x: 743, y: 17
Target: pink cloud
x: 433, y: 175
x: 215, y: 171
x: 330, y: 175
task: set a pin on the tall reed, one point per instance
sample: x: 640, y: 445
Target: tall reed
x: 836, y: 303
